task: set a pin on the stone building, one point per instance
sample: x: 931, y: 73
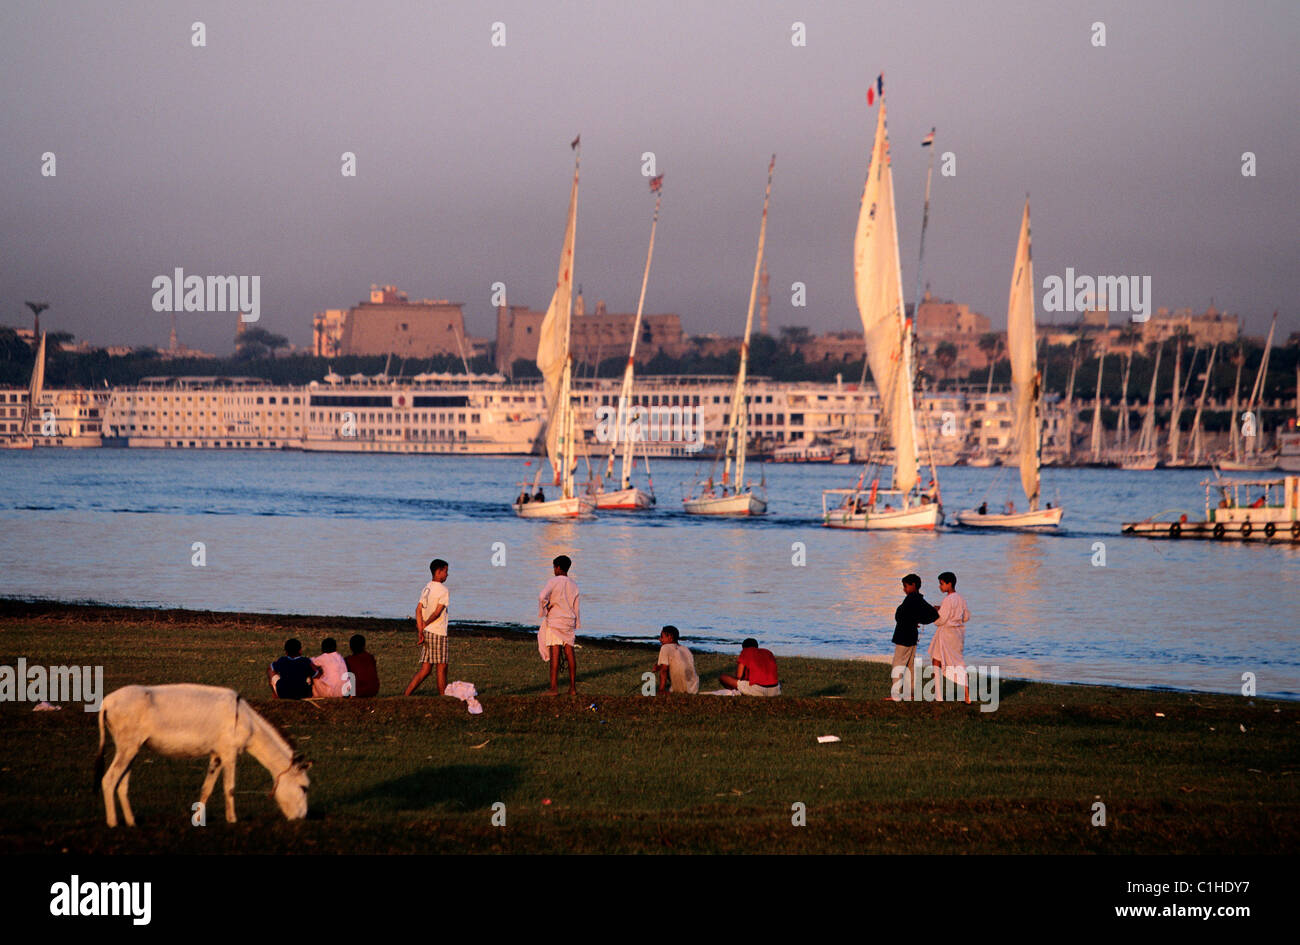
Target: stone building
x: 389, y: 323
x: 594, y: 337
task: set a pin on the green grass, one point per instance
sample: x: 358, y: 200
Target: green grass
x: 633, y: 774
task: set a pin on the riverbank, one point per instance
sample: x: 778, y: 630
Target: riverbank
x: 613, y: 770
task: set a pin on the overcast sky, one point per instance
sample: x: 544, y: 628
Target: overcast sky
x: 226, y: 159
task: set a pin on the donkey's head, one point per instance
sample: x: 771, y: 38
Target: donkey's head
x: 290, y: 789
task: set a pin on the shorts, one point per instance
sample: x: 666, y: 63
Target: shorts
x: 434, y: 648
x: 747, y: 688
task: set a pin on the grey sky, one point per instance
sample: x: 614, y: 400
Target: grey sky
x: 225, y: 159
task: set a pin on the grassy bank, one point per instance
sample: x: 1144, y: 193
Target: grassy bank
x: 611, y: 770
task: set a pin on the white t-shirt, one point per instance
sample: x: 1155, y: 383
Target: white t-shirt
x: 434, y: 593
x: 681, y: 667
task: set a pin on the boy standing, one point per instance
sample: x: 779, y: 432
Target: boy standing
x: 557, y: 607
x: 914, y: 610
x: 431, y: 628
x: 675, y: 665
x: 947, y: 649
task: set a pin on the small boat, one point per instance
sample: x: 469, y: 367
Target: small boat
x: 1256, y: 510
x: 735, y: 496
x: 1030, y: 518
x: 555, y: 361
x: 1026, y: 385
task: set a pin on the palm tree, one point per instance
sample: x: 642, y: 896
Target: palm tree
x: 991, y: 344
x: 946, y: 355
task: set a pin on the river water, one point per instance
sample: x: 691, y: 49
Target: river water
x: 290, y: 532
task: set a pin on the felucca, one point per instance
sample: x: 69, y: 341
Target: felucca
x: 878, y: 282
x: 735, y: 496
x: 555, y: 361
x: 1026, y: 386
x: 628, y: 429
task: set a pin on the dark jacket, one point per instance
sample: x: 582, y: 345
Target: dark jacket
x: 914, y: 610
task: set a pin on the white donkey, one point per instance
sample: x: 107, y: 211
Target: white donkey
x: 190, y: 721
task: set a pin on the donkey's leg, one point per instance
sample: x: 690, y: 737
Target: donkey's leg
x: 122, y: 758
x: 228, y: 782
x: 214, y: 768
x: 122, y: 787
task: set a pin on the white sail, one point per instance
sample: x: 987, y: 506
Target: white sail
x: 1022, y: 348
x: 553, y: 343
x: 878, y: 284
x: 35, y: 389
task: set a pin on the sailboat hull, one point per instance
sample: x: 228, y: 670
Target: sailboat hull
x: 1229, y: 465
x: 1041, y: 518
x: 575, y: 507
x: 918, y: 516
x: 746, y: 503
x: 625, y: 500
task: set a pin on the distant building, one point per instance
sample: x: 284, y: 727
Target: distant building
x: 593, y: 338
x: 939, y: 321
x: 389, y: 323
x: 1208, y: 328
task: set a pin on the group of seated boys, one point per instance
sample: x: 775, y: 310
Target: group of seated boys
x: 327, y: 676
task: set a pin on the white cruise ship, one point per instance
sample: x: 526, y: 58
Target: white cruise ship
x: 681, y: 416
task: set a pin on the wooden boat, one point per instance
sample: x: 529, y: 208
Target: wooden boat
x: 736, y: 496
x: 1255, y: 510
x: 555, y: 361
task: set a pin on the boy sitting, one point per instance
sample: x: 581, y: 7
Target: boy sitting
x: 675, y: 666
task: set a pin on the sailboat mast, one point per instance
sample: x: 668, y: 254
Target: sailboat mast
x: 1197, y: 434
x: 625, y: 396
x: 1236, y: 388
x: 925, y: 219
x: 1175, y: 401
x: 1122, y: 433
x: 738, y: 429
x: 1096, y: 412
x: 1257, y: 390
x: 1069, y: 404
x: 1147, y: 442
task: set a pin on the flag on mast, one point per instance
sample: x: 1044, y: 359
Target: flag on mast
x: 928, y: 139
x: 656, y: 184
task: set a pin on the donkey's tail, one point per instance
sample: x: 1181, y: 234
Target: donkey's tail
x: 99, y: 759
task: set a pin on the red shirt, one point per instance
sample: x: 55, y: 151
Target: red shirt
x: 758, y: 666
x: 363, y: 667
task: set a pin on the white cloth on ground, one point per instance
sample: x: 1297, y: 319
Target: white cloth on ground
x: 465, y: 692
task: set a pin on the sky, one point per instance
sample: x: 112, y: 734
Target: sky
x: 226, y: 159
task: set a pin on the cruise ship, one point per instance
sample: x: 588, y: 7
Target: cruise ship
x: 680, y: 416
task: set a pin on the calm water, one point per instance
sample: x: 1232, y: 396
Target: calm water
x: 329, y: 534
